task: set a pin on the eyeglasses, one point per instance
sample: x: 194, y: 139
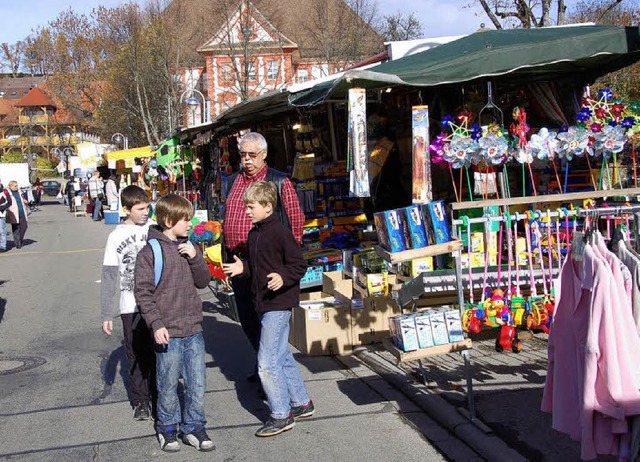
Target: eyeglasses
x: 253, y: 155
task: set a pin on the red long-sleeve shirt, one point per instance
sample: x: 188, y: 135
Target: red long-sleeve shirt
x: 237, y: 223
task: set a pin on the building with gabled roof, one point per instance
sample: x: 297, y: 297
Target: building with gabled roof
x: 37, y: 124
x: 245, y: 48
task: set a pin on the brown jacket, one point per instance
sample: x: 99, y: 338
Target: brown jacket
x: 175, y: 302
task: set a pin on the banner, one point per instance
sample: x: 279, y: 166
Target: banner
x: 358, y: 156
x: 421, y: 178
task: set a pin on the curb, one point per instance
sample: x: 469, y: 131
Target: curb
x: 487, y: 445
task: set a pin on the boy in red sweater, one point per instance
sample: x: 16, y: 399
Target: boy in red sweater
x: 275, y: 265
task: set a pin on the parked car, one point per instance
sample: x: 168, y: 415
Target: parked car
x: 51, y: 187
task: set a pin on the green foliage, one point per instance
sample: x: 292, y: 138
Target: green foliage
x: 13, y: 157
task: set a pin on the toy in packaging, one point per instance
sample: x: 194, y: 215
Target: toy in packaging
x: 417, y: 232
x: 390, y: 232
x: 434, y: 214
x: 454, y: 326
x: 417, y: 266
x: 377, y: 284
x: 477, y: 242
x: 423, y: 330
x: 439, y: 328
x: 405, y: 335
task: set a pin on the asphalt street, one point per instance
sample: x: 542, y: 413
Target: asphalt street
x: 63, y: 394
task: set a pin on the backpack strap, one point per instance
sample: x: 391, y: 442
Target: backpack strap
x: 157, y: 260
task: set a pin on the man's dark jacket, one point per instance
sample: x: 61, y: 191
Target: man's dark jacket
x: 273, y: 249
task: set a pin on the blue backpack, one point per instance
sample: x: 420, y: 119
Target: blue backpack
x: 157, y: 260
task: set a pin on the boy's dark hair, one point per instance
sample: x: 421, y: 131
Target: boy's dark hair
x: 170, y: 209
x: 262, y: 192
x: 133, y: 195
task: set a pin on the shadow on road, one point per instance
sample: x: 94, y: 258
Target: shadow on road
x: 234, y: 357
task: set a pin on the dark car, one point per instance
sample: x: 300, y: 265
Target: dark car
x: 51, y: 187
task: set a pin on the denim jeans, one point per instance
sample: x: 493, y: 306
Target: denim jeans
x: 278, y: 371
x: 97, y: 208
x: 184, y: 356
x: 3, y: 233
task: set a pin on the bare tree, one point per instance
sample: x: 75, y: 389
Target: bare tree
x: 401, y: 26
x: 525, y: 14
x: 11, y: 57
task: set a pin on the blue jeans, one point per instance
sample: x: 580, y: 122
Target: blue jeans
x: 278, y: 371
x: 184, y: 356
x: 97, y: 208
x: 3, y: 233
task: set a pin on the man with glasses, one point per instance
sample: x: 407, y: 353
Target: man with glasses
x: 237, y: 224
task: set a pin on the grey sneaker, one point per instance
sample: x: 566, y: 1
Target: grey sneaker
x: 199, y: 440
x: 142, y: 411
x: 306, y: 410
x: 169, y: 441
x: 276, y: 426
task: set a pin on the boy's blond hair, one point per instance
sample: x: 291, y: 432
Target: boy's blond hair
x: 12, y: 183
x: 170, y: 209
x: 262, y: 192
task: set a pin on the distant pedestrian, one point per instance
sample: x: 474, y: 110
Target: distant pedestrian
x: 17, y: 215
x: 5, y: 203
x: 111, y: 193
x: 96, y: 194
x: 37, y: 188
x: 120, y: 253
x: 172, y: 308
x: 275, y: 265
x: 70, y: 192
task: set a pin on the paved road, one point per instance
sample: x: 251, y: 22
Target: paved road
x: 62, y: 393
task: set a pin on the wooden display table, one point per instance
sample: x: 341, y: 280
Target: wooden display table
x: 403, y: 356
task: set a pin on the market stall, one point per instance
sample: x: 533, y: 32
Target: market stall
x: 478, y: 129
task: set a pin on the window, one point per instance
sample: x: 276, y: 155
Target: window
x: 205, y: 82
x: 251, y: 71
x: 226, y: 72
x: 303, y: 75
x: 320, y: 70
x: 272, y: 70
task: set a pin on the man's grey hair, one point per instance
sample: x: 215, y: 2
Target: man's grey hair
x: 254, y: 138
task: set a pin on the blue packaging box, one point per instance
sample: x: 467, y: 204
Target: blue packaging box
x: 412, y: 217
x: 111, y: 217
x: 391, y: 234
x: 435, y: 214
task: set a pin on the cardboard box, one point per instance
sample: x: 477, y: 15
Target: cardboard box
x: 334, y: 283
x: 369, y: 319
x: 405, y: 336
x: 439, y: 327
x: 477, y: 242
x: 423, y: 329
x: 412, y: 216
x: 391, y: 234
x: 376, y: 284
x: 435, y: 216
x: 454, y: 325
x: 320, y: 326
x: 417, y: 266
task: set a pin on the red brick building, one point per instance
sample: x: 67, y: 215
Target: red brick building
x: 246, y: 48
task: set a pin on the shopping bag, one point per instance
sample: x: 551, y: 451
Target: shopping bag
x: 59, y: 196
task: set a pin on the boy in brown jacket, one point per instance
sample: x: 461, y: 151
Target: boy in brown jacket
x: 172, y: 308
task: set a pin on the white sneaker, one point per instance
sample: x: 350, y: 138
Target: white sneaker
x: 169, y: 441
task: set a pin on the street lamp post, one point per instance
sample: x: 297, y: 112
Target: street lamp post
x: 192, y: 102
x: 120, y: 138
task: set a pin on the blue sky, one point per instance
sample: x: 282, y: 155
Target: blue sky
x: 453, y: 17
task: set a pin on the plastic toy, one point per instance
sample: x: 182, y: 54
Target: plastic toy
x: 508, y: 339
x: 472, y: 319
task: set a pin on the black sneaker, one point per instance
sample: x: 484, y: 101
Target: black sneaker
x: 169, y: 441
x: 142, y: 411
x: 276, y: 426
x: 306, y: 410
x: 199, y: 440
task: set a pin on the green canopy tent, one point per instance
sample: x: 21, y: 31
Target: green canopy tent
x: 572, y: 53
